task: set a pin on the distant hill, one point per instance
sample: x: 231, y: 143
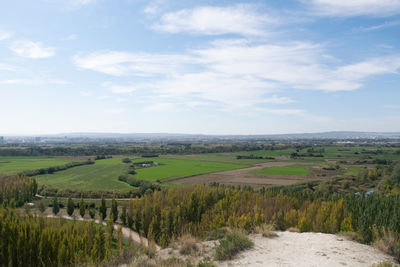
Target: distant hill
x: 322, y: 135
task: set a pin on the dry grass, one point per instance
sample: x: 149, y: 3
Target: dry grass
x: 187, y: 245
x: 388, y: 242
x: 266, y: 230
x: 143, y: 261
x: 293, y: 229
x: 385, y: 264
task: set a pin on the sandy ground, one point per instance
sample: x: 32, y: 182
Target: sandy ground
x: 245, y: 177
x: 307, y: 249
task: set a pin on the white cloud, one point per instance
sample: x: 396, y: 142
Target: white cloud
x: 114, y: 111
x: 33, y: 82
x: 209, y: 20
x: 154, y: 7
x: 161, y: 107
x: 70, y: 37
x: 387, y: 24
x: 235, y: 74
x: 344, y: 8
x: 124, y: 63
x: 31, y: 49
x: 7, y: 67
x: 120, y: 89
x: 4, y: 35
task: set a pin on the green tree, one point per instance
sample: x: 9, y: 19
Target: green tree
x: 103, y: 209
x: 56, y: 206
x: 42, y: 207
x: 70, y: 206
x: 114, y: 209
x: 123, y: 215
x: 92, y: 213
x: 82, y: 208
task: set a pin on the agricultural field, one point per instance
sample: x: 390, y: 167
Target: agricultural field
x: 170, y: 168
x: 10, y: 165
x: 103, y: 175
x: 298, y: 170
x: 276, y: 167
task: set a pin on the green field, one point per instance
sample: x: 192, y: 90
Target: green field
x: 103, y: 175
x: 299, y: 170
x: 175, y: 168
x: 17, y: 164
x: 219, y: 157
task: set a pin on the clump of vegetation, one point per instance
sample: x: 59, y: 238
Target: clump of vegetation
x: 232, y: 244
x: 293, y: 229
x: 187, y: 245
x: 216, y: 234
x: 388, y: 242
x: 206, y: 264
x: 384, y: 264
x: 266, y: 230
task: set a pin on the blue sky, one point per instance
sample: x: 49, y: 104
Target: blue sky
x: 212, y: 67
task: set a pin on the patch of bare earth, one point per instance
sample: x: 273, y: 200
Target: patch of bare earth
x: 306, y: 250
x: 245, y: 177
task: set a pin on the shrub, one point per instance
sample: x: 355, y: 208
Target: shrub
x: 293, y: 229
x: 216, y: 234
x: 232, y: 244
x: 388, y: 242
x: 384, y: 264
x: 187, y: 245
x: 266, y: 230
x: 206, y: 264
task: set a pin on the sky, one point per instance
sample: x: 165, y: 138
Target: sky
x: 200, y: 67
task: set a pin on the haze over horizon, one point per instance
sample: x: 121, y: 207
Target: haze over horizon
x: 208, y: 67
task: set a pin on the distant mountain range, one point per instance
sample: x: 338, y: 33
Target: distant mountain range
x: 175, y: 136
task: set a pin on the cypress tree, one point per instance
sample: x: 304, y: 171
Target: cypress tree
x: 70, y: 206
x: 56, y: 206
x: 114, y: 209
x: 82, y: 208
x: 103, y: 209
x: 123, y: 215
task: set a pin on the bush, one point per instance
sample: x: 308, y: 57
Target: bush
x: 384, y: 264
x: 232, y: 244
x: 266, y: 230
x: 388, y: 242
x: 216, y: 234
x: 187, y: 245
x: 293, y: 229
x: 206, y: 264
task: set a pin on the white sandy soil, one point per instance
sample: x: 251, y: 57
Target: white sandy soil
x: 307, y: 249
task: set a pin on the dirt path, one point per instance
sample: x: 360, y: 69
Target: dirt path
x: 126, y: 232
x: 244, y: 176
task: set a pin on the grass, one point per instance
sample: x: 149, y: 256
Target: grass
x: 232, y: 244
x: 10, y: 165
x: 103, y: 175
x: 299, y: 170
x: 176, y: 168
